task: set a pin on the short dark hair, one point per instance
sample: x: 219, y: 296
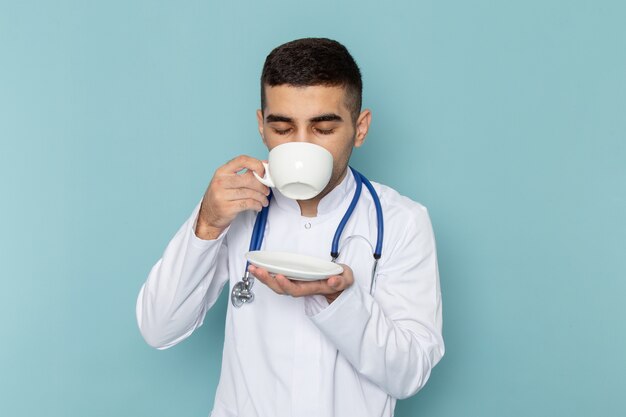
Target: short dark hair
x: 314, y: 61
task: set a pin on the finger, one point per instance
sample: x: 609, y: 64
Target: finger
x: 239, y: 206
x: 343, y: 280
x: 334, y: 282
x: 328, y: 286
x: 286, y: 285
x: 260, y: 274
x: 337, y: 283
x: 233, y: 194
x: 242, y: 162
x: 247, y: 180
x: 297, y: 288
x: 230, y: 188
x: 265, y: 277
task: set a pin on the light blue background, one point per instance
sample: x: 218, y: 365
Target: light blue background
x: 506, y: 119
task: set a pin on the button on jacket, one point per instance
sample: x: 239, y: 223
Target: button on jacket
x: 300, y: 357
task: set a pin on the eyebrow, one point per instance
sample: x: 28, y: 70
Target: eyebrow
x: 329, y: 117
x: 277, y: 118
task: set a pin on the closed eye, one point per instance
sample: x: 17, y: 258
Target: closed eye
x: 282, y: 131
x: 325, y: 131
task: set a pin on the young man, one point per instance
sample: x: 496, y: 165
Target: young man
x: 321, y: 348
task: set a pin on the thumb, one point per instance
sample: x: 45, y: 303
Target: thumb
x: 334, y: 282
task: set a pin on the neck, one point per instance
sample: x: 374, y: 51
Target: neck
x: 308, y: 208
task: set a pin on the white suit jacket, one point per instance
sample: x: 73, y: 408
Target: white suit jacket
x: 298, y: 357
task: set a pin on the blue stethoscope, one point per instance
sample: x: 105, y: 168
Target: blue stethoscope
x: 242, y: 291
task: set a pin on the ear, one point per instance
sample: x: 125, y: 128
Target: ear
x: 259, y: 120
x: 362, y: 127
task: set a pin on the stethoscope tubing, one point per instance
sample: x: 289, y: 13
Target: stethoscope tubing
x: 360, y: 180
x: 334, y: 251
x: 259, y: 226
x: 379, y: 217
x: 257, y: 233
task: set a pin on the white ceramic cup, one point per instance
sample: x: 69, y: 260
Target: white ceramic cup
x: 299, y: 170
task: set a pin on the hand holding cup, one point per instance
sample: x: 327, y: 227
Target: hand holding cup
x: 229, y: 193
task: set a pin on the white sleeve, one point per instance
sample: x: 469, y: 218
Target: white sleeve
x: 395, y: 338
x: 182, y: 286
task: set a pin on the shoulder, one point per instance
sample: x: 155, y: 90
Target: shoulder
x: 400, y: 209
x: 406, y: 222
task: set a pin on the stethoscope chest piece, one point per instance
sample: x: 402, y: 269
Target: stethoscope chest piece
x: 242, y: 291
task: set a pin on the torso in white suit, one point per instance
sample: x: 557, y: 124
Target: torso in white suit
x: 286, y: 356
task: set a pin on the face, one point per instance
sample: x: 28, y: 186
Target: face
x: 314, y: 114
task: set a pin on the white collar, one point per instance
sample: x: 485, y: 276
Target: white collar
x: 337, y: 199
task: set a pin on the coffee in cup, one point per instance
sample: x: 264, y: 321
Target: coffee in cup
x: 299, y: 170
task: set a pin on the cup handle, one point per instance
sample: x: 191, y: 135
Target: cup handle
x: 266, y: 180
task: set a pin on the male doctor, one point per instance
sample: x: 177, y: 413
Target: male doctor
x: 320, y: 348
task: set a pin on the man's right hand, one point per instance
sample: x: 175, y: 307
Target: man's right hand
x: 230, y: 193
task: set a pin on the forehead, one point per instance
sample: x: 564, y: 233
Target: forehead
x: 305, y: 102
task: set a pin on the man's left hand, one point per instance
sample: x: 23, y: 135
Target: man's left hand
x: 330, y: 287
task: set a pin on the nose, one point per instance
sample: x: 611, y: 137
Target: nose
x: 303, y: 135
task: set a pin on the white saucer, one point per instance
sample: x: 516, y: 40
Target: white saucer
x: 294, y: 265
